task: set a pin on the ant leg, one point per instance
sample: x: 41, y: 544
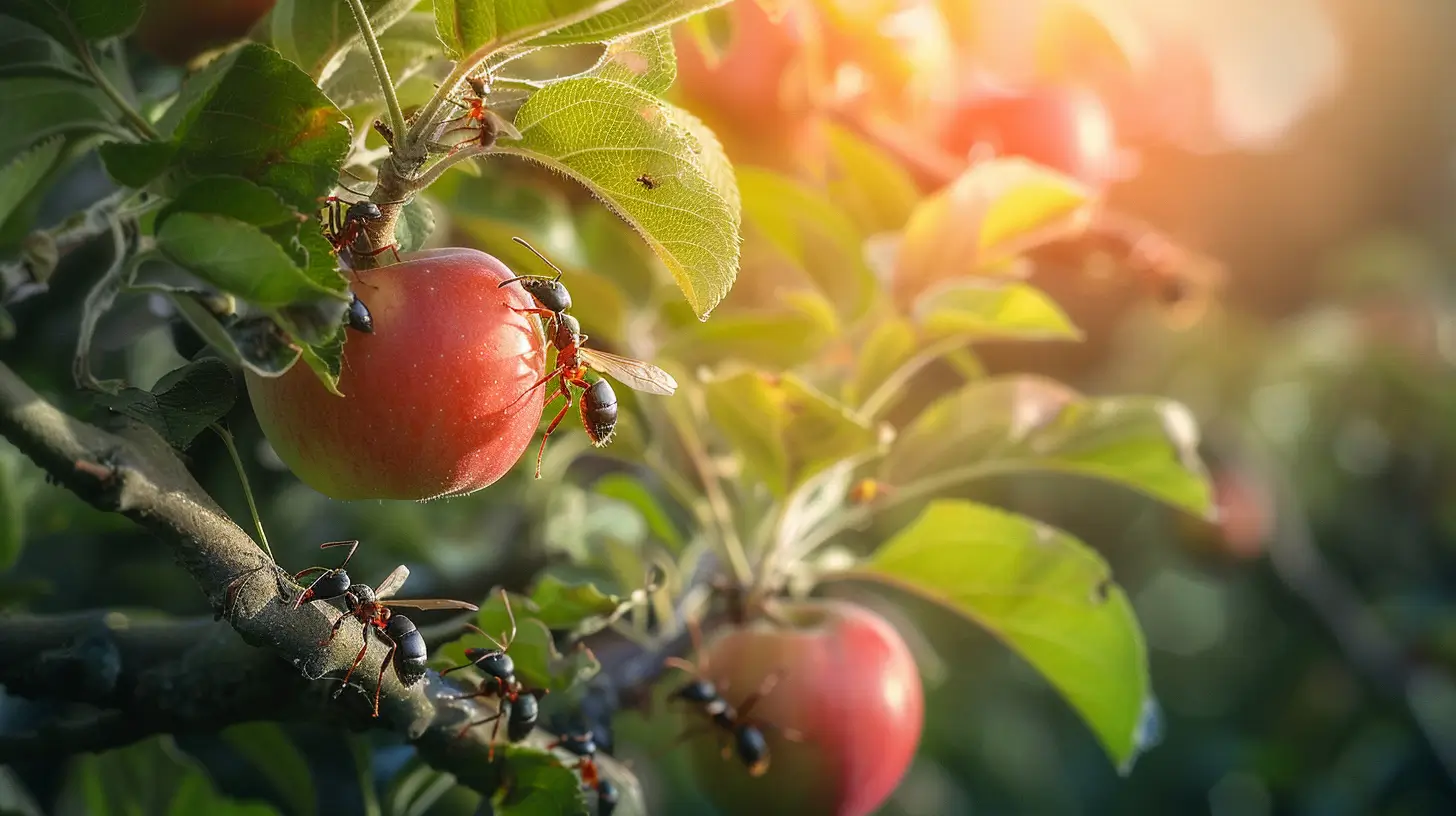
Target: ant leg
x: 387, y: 247
x: 379, y: 682
x: 335, y: 630
x: 763, y: 689
x: 359, y: 658
x: 470, y: 725
x: 495, y: 731
x: 549, y: 430
x: 538, y: 384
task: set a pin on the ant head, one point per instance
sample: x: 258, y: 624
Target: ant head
x: 331, y: 584
x: 363, y: 594
x: 493, y: 662
x: 478, y: 86
x: 583, y: 745
x: 697, y: 690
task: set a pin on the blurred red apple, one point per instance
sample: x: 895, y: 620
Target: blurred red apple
x: 175, y: 31
x: 1064, y: 128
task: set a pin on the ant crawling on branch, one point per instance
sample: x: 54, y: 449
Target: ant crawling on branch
x: 372, y: 609
x: 519, y: 706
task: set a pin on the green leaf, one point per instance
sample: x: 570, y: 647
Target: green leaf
x: 889, y: 345
x: 418, y: 789
x: 776, y: 340
x: 813, y: 232
x: 867, y: 185
x: 608, y: 135
x: 466, y: 26
x: 38, y: 108
x: 26, y: 52
x: 986, y: 310
x: 625, y: 19
x: 24, y: 172
x: 646, y: 61
x: 539, y: 785
x: 315, y: 34
x: 407, y: 46
x: 238, y: 258
x: 256, y: 343
x: 1031, y: 424
x: 992, y: 212
x: 182, y: 404
x: 13, y: 496
x: 234, y: 197
x: 416, y: 224
x: 269, y: 750
x: 256, y: 115
x: 151, y: 777
x: 68, y: 19
x: 564, y: 607
x: 137, y: 164
x: 1045, y: 594
x: 785, y: 430
x: 633, y: 493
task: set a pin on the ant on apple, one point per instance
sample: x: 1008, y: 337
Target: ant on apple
x: 573, y: 360
x: 372, y: 608
x: 519, y: 706
x: 584, y: 746
x: 747, y: 738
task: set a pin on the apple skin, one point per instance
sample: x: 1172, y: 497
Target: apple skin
x: 175, y: 31
x: 427, y: 410
x: 1065, y: 128
x: 846, y: 682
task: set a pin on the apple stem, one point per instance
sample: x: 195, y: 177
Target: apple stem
x: 232, y: 449
x: 381, y: 69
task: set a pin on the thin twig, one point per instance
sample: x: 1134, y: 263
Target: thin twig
x: 138, y: 122
x: 227, y: 440
x: 381, y: 69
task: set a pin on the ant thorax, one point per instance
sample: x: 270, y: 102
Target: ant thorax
x: 363, y: 594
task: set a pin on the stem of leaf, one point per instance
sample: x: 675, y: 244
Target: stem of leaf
x: 717, y: 502
x: 915, y: 491
x: 232, y: 449
x: 438, y: 168
x: 894, y: 386
x: 137, y: 122
x: 381, y: 69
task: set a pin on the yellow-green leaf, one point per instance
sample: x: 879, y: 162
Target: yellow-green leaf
x: 987, y: 310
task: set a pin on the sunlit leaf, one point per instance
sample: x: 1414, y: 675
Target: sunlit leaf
x: 646, y: 61
x: 869, y: 186
x: 1077, y: 37
x: 890, y: 344
x: 316, y: 34
x: 994, y: 210
x: 775, y: 340
x: 564, y: 606
x: 465, y: 26
x: 1045, y: 594
x: 785, y: 430
x: 631, y: 492
x: 608, y: 135
x: 625, y: 19
x: 989, y: 310
x: 182, y: 404
x: 1031, y: 424
x: 269, y: 750
x: 813, y: 232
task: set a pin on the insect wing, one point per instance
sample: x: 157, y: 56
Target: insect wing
x: 503, y: 126
x: 433, y: 603
x: 392, y: 584
x: 634, y: 374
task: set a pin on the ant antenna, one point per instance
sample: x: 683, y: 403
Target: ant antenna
x: 544, y: 259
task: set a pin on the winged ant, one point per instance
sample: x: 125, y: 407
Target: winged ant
x: 478, y: 117
x: 573, y: 361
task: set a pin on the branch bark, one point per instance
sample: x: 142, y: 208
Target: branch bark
x: 197, y: 675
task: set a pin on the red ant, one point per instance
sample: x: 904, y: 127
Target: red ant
x: 479, y: 117
x: 585, y: 747
x: 519, y: 705
x: 371, y: 608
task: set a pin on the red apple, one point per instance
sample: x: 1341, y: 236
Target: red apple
x: 846, y: 683
x: 175, y: 31
x: 428, y: 408
x: 1066, y: 129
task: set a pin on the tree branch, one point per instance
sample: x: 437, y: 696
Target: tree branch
x: 180, y: 676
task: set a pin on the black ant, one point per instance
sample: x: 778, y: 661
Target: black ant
x: 584, y: 746
x: 598, y: 400
x: 371, y: 608
x: 344, y: 224
x: 747, y: 736
x: 521, y: 707
x: 479, y: 117
x: 647, y: 181
x: 359, y: 318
